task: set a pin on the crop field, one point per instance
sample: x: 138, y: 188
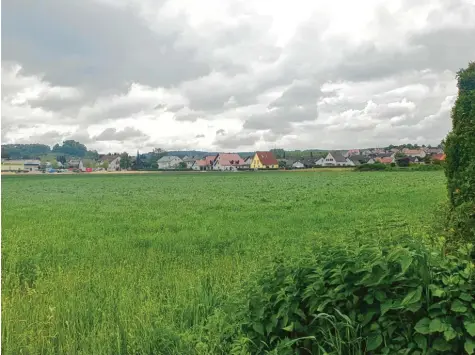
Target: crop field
x: 146, y: 264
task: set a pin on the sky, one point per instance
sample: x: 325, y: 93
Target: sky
x: 232, y: 75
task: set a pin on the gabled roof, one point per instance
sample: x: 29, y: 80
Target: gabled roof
x: 168, y: 158
x: 267, y: 158
x: 338, y: 157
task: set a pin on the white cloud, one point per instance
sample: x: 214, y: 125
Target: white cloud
x: 292, y: 74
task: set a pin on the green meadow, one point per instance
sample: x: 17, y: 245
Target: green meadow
x: 150, y: 263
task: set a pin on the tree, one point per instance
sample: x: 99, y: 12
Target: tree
x: 105, y: 164
x: 71, y: 148
x: 182, y: 165
x: 460, y: 156
x: 282, y: 164
x: 427, y: 159
x: 403, y: 162
x: 125, y: 162
x: 138, y: 162
x: 278, y: 153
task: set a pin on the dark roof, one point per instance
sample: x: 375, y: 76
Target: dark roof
x: 267, y: 158
x: 339, y: 158
x: 359, y: 158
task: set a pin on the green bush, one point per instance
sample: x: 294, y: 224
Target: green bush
x: 460, y: 157
x: 400, y: 298
x: 371, y: 167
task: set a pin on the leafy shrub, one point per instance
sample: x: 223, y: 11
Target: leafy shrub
x: 460, y: 157
x: 371, y: 167
x: 391, y: 299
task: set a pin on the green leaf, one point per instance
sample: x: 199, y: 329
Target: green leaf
x: 449, y: 334
x: 374, y: 341
x: 258, y: 328
x: 441, y: 345
x: 466, y: 297
x: 469, y: 346
x: 436, y: 326
x: 412, y: 297
x: 386, y: 306
x: 421, y: 341
x: 405, y: 261
x: 458, y: 306
x: 422, y: 327
x: 470, y: 326
x: 289, y: 328
x: 436, y: 291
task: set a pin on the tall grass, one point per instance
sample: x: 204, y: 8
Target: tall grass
x: 147, y: 264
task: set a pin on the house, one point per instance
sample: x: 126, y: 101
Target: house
x: 228, y: 162
x: 298, y: 165
x: 366, y: 152
x: 199, y: 165
x: 168, y: 162
x: 320, y: 162
x: 76, y: 164
x: 337, y: 159
x: 264, y: 160
x: 371, y: 161
x: 414, y: 152
x: 359, y: 159
x: 189, y: 161
x: 13, y: 165
x: 309, y: 162
x: 114, y: 164
x: 209, y: 161
x: 32, y: 165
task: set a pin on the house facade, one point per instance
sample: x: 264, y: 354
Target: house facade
x: 13, y: 165
x: 337, y: 159
x: 76, y: 164
x: 228, y: 162
x: 168, y: 162
x: 264, y: 160
x: 114, y: 164
x: 420, y: 153
x: 32, y: 165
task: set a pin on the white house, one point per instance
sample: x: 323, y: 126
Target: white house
x: 114, y: 164
x: 298, y: 165
x: 336, y: 159
x: 320, y: 162
x: 189, y: 161
x: 168, y: 162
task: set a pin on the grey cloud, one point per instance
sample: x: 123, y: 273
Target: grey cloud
x: 236, y: 141
x: 111, y: 134
x: 278, y: 119
x: 87, y: 44
x: 200, y: 136
x: 220, y: 132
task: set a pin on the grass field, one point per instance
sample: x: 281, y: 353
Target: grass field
x: 138, y: 264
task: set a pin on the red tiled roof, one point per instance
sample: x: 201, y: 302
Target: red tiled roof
x: 385, y: 160
x: 267, y: 158
x: 210, y: 159
x: 438, y: 157
x: 227, y: 159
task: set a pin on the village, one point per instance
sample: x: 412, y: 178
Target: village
x: 260, y: 160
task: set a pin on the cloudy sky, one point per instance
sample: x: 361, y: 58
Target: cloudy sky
x: 232, y: 75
